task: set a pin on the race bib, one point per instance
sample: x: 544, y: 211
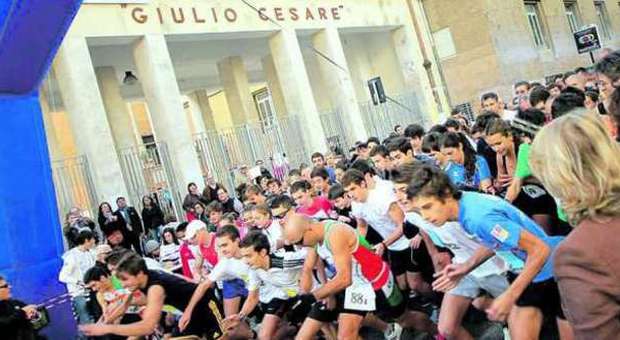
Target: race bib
x: 360, y: 297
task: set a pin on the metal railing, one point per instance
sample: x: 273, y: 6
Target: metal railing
x: 403, y: 109
x: 147, y: 170
x: 74, y: 186
x: 223, y: 152
x: 335, y: 130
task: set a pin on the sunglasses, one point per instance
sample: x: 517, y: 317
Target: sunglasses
x: 6, y: 285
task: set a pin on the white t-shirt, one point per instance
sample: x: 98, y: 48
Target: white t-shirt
x: 281, y: 281
x: 229, y: 269
x: 375, y: 211
x: 76, y: 263
x: 452, y: 236
x: 273, y: 233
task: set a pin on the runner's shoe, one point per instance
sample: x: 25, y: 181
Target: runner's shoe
x: 393, y: 332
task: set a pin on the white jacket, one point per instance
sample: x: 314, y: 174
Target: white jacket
x: 75, y: 264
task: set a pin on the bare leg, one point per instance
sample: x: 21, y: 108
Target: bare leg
x: 349, y: 326
x: 453, y: 308
x: 525, y: 323
x: 308, y: 329
x: 231, y: 306
x: 482, y: 303
x: 268, y: 327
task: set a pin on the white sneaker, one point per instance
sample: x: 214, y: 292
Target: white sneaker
x: 393, y: 332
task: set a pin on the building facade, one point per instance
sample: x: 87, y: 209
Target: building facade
x: 146, y: 96
x: 489, y: 45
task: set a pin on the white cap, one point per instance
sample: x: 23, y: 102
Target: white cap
x: 193, y: 228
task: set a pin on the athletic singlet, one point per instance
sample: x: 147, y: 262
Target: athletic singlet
x: 366, y: 263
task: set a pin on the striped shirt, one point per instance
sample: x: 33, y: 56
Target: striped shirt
x: 281, y: 280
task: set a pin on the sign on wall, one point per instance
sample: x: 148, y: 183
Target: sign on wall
x: 587, y: 39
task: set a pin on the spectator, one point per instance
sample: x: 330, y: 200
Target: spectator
x: 76, y: 262
x: 169, y: 251
x: 200, y: 211
x: 76, y: 222
x: 152, y: 216
x: 209, y: 194
x: 584, y: 174
x: 230, y: 204
x: 193, y: 196
x: 113, y: 223
x: 15, y: 316
x: 133, y: 223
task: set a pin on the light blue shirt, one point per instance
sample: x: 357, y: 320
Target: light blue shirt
x: 498, y: 225
x: 458, y: 173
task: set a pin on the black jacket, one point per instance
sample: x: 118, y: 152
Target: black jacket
x: 152, y: 218
x: 108, y: 227
x: 13, y: 322
x: 134, y: 219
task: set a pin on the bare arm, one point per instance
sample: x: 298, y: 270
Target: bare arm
x: 200, y: 291
x: 480, y: 256
x: 250, y: 303
x: 341, y: 250
x: 305, y: 282
x: 513, y: 189
x: 150, y: 318
x: 398, y: 217
x: 537, y: 253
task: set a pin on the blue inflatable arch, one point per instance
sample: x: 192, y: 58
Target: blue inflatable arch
x: 30, y: 236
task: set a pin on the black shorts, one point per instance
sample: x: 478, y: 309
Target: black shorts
x: 543, y: 295
x: 411, y: 260
x: 319, y: 311
x: 533, y: 199
x: 277, y: 307
x: 400, y: 261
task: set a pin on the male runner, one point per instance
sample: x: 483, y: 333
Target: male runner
x: 229, y: 270
x: 273, y: 281
x: 362, y: 275
x: 161, y: 289
x: 488, y: 277
x: 505, y: 231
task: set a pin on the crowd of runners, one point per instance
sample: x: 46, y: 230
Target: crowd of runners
x: 511, y: 214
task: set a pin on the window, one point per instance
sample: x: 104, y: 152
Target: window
x: 572, y: 15
x: 532, y: 13
x: 603, y: 19
x: 264, y: 105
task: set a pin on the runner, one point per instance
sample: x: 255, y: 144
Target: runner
x: 507, y: 232
x: 273, y: 281
x: 488, y: 277
x: 363, y: 277
x: 161, y: 289
x: 230, y: 271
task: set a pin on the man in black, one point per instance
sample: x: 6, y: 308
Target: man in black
x: 161, y: 289
x: 15, y: 316
x: 134, y: 223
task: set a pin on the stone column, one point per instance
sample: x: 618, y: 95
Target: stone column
x: 338, y: 80
x: 161, y: 91
x: 298, y: 98
x: 202, y: 100
x: 116, y: 108
x: 234, y: 79
x: 412, y: 69
x: 80, y: 94
x: 274, y: 86
x: 52, y: 138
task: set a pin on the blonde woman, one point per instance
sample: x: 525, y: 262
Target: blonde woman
x: 579, y: 164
